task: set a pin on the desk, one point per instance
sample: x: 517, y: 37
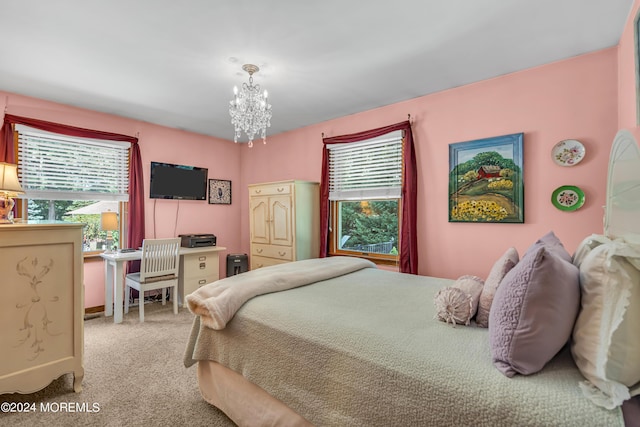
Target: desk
x: 192, y: 260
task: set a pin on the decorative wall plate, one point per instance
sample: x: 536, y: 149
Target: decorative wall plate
x: 568, y: 152
x: 567, y: 198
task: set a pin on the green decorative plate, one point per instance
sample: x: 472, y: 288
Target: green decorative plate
x: 567, y: 198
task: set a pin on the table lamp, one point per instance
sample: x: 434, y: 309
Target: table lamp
x: 9, y: 188
x: 109, y: 223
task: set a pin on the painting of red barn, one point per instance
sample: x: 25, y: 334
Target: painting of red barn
x: 485, y: 180
x: 489, y: 171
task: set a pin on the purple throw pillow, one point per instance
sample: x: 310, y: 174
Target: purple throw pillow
x: 533, y: 311
x: 553, y: 244
x: 501, y: 267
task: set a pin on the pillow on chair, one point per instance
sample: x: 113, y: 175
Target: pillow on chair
x: 159, y: 278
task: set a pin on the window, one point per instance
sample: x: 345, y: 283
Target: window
x: 73, y: 179
x: 365, y: 189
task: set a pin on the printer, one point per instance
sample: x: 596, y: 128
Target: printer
x: 197, y: 240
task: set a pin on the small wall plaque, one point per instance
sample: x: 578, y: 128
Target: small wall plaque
x: 219, y: 192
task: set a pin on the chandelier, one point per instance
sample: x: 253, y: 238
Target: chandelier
x: 250, y: 110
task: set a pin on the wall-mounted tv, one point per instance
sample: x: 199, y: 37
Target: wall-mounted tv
x: 169, y: 181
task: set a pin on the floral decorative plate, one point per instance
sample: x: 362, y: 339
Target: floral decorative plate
x: 567, y: 198
x: 568, y: 152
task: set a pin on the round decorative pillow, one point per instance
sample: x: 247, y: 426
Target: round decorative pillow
x: 458, y: 303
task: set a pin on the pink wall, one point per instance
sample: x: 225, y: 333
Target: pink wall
x: 164, y: 218
x: 572, y: 99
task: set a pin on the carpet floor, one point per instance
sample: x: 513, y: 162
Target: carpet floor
x: 134, y: 376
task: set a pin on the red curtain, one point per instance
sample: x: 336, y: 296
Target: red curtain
x: 135, y: 224
x: 408, y: 239
x: 135, y: 219
x: 7, y: 152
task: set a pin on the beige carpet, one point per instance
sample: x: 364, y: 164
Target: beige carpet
x: 133, y: 373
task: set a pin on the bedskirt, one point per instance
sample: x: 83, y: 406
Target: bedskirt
x: 244, y: 402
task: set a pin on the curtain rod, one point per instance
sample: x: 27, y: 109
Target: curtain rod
x: 408, y: 119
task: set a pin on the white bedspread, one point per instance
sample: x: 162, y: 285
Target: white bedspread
x: 218, y: 302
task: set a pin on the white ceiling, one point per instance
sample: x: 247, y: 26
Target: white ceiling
x: 175, y: 63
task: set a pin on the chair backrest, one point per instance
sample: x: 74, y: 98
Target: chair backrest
x: 160, y: 257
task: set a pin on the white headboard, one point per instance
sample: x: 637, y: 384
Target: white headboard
x: 622, y: 211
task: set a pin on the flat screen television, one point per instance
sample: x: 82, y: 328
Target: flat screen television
x: 169, y: 181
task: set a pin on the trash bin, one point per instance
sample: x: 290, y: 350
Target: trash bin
x: 236, y: 264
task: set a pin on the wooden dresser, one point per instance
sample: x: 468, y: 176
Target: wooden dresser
x: 42, y: 305
x: 284, y: 222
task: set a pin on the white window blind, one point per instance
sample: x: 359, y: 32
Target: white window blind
x: 59, y: 167
x: 370, y: 169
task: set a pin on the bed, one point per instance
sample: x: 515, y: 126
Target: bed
x: 338, y: 342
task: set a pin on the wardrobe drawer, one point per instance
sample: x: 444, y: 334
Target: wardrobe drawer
x: 270, y: 189
x: 273, y: 251
x: 259, y: 262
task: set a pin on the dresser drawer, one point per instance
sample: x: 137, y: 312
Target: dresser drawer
x: 259, y: 262
x: 189, y: 285
x: 270, y: 189
x: 199, y: 265
x: 284, y: 253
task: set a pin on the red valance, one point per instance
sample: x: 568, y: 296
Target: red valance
x: 135, y: 224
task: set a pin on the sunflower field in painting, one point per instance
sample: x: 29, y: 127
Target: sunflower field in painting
x: 485, y: 189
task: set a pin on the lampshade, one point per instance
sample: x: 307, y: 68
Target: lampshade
x: 109, y: 221
x: 9, y: 179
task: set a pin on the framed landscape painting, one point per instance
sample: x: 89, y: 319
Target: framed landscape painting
x: 485, y: 180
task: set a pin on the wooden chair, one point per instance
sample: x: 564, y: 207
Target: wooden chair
x: 158, y: 270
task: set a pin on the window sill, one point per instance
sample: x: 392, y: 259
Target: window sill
x: 92, y: 256
x: 378, y: 260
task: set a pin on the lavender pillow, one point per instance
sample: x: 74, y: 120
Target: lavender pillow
x: 533, y: 312
x: 502, y: 266
x: 553, y: 244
